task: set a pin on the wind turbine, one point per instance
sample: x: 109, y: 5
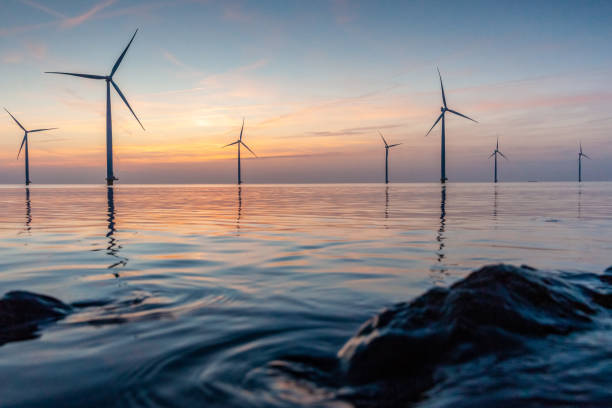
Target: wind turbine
x: 445, y: 109
x: 24, y: 141
x: 110, y: 176
x: 495, y: 153
x: 240, y: 142
x: 580, y: 155
x: 387, y: 147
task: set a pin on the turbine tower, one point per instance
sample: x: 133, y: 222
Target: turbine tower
x: 444, y: 109
x: 387, y: 147
x: 240, y: 142
x: 110, y: 176
x: 495, y: 153
x: 24, y: 141
x: 580, y: 156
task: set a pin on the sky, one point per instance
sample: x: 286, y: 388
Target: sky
x: 315, y: 80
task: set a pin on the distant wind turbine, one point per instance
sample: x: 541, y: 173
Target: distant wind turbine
x: 240, y: 142
x: 580, y: 155
x: 445, y: 109
x: 495, y: 153
x: 110, y: 176
x: 387, y: 147
x: 24, y: 141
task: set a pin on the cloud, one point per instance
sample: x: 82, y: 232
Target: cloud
x: 44, y: 8
x: 80, y: 19
x: 356, y: 131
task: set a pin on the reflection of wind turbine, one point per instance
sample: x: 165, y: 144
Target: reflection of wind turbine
x: 240, y: 142
x: 387, y: 147
x: 110, y: 177
x: 444, y: 109
x: 24, y: 141
x: 28, y: 210
x: 495, y: 153
x: 440, y: 238
x: 113, y: 248
x: 580, y: 155
x: 239, y: 213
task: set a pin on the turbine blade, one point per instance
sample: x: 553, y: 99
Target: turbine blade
x: 16, y: 121
x: 492, y: 154
x: 122, y: 55
x: 442, y: 87
x: 383, y: 139
x: 502, y: 155
x: 233, y: 143
x: 396, y: 144
x: 435, y: 123
x: 21, y: 147
x: 586, y: 156
x: 126, y: 102
x: 462, y: 115
x: 41, y: 130
x: 241, y: 129
x: 77, y: 75
x: 248, y: 148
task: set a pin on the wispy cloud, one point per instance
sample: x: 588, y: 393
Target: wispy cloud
x: 45, y: 9
x: 80, y: 19
x: 356, y: 131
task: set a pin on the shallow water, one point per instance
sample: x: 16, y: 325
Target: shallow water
x: 200, y: 287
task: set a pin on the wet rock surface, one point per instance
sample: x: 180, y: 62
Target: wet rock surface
x: 21, y: 314
x: 503, y: 336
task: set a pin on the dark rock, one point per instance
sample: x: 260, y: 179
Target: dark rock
x: 491, y: 311
x: 22, y: 312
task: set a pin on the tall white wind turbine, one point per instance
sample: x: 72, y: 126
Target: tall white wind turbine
x: 495, y: 153
x: 240, y: 142
x: 387, y: 147
x: 24, y: 142
x: 110, y: 176
x: 444, y: 109
x: 580, y: 156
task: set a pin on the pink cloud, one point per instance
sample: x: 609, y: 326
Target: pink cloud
x: 80, y: 19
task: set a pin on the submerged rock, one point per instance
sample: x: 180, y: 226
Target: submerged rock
x: 492, y: 312
x: 504, y: 336
x: 22, y: 312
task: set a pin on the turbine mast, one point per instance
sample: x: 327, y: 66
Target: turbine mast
x: 443, y: 151
x: 386, y: 164
x: 27, y: 161
x: 239, y: 179
x: 110, y: 176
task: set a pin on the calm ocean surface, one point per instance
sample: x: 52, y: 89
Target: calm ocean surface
x: 199, y: 287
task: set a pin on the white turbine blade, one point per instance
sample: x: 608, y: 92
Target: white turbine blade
x: 241, y: 129
x: 248, y: 148
x: 435, y: 123
x: 233, y: 143
x: 383, y: 139
x: 462, y: 115
x: 502, y: 155
x: 21, y: 147
x: 396, y: 144
x: 41, y: 130
x: 442, y: 87
x: 16, y: 121
x: 78, y: 75
x: 126, y: 102
x: 122, y: 55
